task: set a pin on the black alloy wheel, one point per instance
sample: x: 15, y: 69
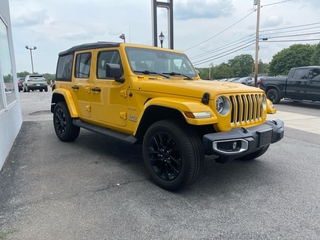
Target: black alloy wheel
x: 63, y: 126
x: 273, y: 95
x: 173, y: 154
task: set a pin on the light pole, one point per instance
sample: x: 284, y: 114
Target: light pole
x: 31, y: 48
x: 161, y: 38
x: 123, y: 36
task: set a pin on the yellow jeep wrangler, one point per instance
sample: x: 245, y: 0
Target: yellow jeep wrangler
x: 154, y: 97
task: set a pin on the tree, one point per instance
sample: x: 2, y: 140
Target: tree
x: 49, y: 77
x: 204, y: 73
x: 296, y: 55
x: 266, y: 67
x: 23, y: 74
x: 261, y: 67
x: 315, y: 58
x: 242, y: 65
x: 222, y: 71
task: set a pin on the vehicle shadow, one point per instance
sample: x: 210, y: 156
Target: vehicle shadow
x: 216, y: 177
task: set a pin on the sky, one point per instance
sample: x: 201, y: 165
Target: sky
x: 210, y: 32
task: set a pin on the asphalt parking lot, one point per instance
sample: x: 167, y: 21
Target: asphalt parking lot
x: 98, y: 188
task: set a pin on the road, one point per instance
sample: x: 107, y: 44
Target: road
x: 98, y: 188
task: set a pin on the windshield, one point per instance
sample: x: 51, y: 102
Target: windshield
x: 151, y: 61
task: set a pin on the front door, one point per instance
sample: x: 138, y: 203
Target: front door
x: 108, y: 97
x: 314, y: 84
x: 297, y: 85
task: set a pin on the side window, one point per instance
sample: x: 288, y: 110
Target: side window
x: 82, y: 68
x: 300, y: 74
x: 106, y: 57
x: 64, y: 68
x: 314, y: 74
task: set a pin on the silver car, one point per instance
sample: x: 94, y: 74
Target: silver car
x: 35, y: 82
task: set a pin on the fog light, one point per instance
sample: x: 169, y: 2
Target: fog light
x: 234, y: 146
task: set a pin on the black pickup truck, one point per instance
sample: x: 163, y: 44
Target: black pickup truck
x: 302, y: 83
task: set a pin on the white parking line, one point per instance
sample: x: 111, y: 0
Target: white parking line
x: 301, y: 122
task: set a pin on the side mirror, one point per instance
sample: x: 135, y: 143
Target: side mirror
x: 113, y: 70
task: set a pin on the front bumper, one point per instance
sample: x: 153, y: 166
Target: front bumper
x: 242, y: 141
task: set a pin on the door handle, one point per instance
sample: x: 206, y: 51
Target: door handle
x: 75, y: 87
x: 96, y: 89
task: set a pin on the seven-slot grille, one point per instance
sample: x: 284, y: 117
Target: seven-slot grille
x: 246, y: 108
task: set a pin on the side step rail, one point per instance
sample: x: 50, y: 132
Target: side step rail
x: 105, y: 131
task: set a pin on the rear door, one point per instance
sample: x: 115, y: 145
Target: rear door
x: 81, y: 82
x: 73, y: 73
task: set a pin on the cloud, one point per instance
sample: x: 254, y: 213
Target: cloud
x: 272, y: 21
x: 29, y: 18
x: 193, y: 9
x: 308, y: 3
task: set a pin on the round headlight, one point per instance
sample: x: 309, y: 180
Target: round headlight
x: 222, y: 105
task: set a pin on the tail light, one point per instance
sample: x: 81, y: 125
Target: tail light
x: 259, y: 82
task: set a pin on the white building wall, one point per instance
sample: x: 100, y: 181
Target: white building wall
x: 10, y: 114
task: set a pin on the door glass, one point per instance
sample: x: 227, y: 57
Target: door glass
x: 6, y: 78
x: 82, y: 69
x: 105, y: 57
x: 315, y: 74
x: 64, y: 68
x: 300, y: 74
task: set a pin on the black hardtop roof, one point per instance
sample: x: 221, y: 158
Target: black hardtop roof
x: 90, y: 46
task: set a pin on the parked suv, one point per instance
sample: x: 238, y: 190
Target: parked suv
x: 35, y: 82
x: 155, y: 97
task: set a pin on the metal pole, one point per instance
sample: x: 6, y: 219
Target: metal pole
x: 31, y: 60
x: 257, y: 45
x: 30, y: 48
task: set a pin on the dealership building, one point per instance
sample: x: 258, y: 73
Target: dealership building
x: 10, y: 109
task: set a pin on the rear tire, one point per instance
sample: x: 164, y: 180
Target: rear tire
x: 62, y: 122
x: 173, y: 154
x: 255, y: 154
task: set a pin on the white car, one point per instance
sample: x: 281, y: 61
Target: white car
x: 35, y: 82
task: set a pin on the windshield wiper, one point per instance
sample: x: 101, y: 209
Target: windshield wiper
x: 150, y: 72
x: 177, y: 73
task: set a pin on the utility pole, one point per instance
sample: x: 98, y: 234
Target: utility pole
x: 210, y: 66
x: 257, y: 2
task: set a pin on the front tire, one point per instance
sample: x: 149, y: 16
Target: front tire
x: 62, y: 122
x: 173, y: 154
x: 273, y: 95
